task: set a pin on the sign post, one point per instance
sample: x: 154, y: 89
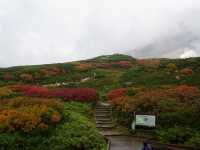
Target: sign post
x: 144, y: 120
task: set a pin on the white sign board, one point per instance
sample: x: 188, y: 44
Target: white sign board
x: 146, y: 120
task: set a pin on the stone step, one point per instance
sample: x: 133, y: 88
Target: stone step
x: 100, y: 106
x: 103, y: 119
x: 105, y: 126
x: 103, y: 106
x: 100, y: 112
x: 102, y: 115
x: 103, y: 109
x: 97, y: 110
x: 104, y: 122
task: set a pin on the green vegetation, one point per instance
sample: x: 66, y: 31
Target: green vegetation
x: 76, y: 131
x: 168, y: 88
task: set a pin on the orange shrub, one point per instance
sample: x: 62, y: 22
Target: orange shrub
x: 28, y: 101
x: 186, y: 72
x: 43, y: 126
x: 16, y: 120
x: 116, y: 93
x: 124, y: 103
x: 51, y: 71
x: 26, y: 77
x: 144, y: 99
x: 84, y: 66
x: 29, y: 114
x: 55, y: 117
x: 149, y: 62
x: 149, y: 99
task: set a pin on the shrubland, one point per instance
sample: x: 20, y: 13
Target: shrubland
x: 176, y: 108
x: 35, y: 119
x: 168, y: 88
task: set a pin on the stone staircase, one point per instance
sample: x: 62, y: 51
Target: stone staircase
x: 117, y: 140
x: 103, y: 117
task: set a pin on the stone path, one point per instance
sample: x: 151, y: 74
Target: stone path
x: 124, y: 143
x: 103, y: 117
x: 118, y: 140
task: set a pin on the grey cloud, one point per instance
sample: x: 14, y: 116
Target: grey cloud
x: 47, y: 31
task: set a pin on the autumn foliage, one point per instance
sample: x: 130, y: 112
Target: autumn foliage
x: 116, y: 93
x: 8, y: 76
x: 83, y: 66
x: 26, y: 77
x: 172, y: 67
x: 149, y: 62
x: 185, y: 92
x: 27, y: 114
x: 119, y: 64
x: 36, y: 91
x: 149, y: 99
x: 77, y: 94
x: 186, y: 72
x: 5, y: 91
x: 51, y: 71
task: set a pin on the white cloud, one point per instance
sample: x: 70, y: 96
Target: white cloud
x: 188, y: 53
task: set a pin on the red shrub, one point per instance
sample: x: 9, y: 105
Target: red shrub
x: 123, y: 64
x: 37, y: 91
x: 116, y: 93
x: 79, y: 94
x: 8, y: 77
x: 105, y: 66
x: 186, y: 92
x: 186, y: 72
x: 31, y: 90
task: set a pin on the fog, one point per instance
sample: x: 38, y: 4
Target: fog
x: 48, y: 31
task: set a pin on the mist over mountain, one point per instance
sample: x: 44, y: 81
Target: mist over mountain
x: 181, y: 45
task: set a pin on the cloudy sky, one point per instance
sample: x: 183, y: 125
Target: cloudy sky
x: 47, y: 31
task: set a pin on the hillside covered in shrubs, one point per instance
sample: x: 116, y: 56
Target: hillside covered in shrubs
x: 54, y: 104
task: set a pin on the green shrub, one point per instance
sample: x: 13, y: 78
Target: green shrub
x: 176, y: 135
x: 194, y: 141
x: 76, y: 132
x: 123, y: 118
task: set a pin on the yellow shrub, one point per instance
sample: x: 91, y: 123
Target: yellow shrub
x: 5, y: 91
